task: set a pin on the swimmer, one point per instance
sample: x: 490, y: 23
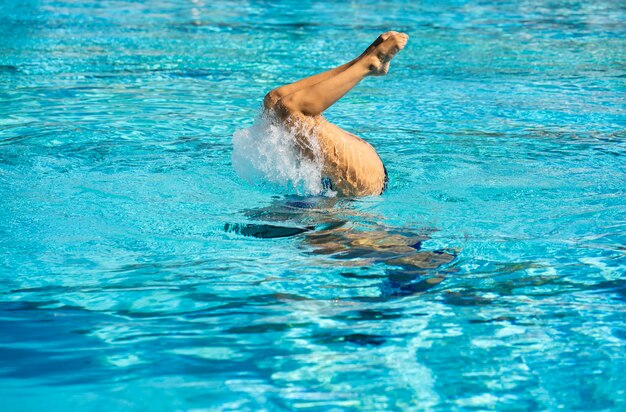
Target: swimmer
x: 351, y: 166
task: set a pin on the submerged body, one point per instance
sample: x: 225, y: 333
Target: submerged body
x: 351, y: 165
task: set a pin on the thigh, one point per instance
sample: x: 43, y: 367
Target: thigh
x: 350, y: 162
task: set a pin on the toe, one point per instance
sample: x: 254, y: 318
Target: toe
x: 401, y: 40
x: 388, y: 34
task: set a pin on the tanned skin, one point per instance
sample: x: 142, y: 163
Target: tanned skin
x: 352, y: 164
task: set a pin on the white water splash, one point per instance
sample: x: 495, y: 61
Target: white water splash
x: 267, y: 154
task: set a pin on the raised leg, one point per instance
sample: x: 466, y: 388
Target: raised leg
x: 320, y: 92
x: 275, y: 95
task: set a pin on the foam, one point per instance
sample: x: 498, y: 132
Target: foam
x: 267, y: 154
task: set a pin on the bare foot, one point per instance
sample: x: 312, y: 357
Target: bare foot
x: 378, y: 41
x: 379, y: 58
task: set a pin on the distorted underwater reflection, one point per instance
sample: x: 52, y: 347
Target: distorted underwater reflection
x: 331, y: 227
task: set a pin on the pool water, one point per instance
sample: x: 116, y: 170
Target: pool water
x: 139, y: 271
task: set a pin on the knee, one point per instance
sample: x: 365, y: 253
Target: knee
x: 272, y: 98
x: 279, y: 104
x: 288, y: 104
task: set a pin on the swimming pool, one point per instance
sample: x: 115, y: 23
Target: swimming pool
x: 127, y: 279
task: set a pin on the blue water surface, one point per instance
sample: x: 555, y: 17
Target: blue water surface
x: 139, y: 272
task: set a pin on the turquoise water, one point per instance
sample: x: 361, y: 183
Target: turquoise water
x: 139, y: 271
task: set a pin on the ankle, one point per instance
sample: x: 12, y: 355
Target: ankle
x: 371, y: 64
